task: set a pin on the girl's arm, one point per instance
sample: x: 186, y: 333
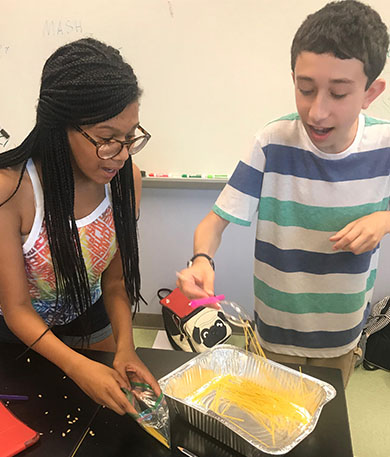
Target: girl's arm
x: 118, y: 307
x: 99, y: 381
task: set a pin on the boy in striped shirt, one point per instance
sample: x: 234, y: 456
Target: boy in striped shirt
x: 318, y: 181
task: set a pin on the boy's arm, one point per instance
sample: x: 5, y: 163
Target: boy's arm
x: 364, y: 234
x: 197, y: 281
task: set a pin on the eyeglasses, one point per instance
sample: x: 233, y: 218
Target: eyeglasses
x: 109, y: 149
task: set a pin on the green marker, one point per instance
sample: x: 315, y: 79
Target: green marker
x: 184, y: 175
x: 195, y: 176
x: 216, y: 176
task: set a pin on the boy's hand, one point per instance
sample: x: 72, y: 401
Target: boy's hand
x: 364, y: 234
x: 198, y: 280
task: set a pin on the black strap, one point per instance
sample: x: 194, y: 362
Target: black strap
x: 163, y: 292
x: 368, y: 366
x: 201, y: 254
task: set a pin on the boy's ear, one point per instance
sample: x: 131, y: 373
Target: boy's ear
x: 376, y: 88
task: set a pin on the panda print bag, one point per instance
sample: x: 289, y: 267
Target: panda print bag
x: 188, y: 329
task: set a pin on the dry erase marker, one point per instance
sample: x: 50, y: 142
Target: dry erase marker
x: 162, y: 175
x: 216, y: 176
x: 186, y: 452
x: 13, y: 397
x: 151, y: 175
x: 195, y: 176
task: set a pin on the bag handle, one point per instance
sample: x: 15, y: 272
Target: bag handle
x: 163, y: 292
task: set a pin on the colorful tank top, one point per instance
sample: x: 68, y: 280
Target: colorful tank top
x: 98, y: 243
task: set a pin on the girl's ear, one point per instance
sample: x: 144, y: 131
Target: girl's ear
x: 376, y: 88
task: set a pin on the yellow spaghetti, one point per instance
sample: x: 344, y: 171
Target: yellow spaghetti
x: 242, y: 400
x: 156, y: 434
x: 251, y: 340
x: 279, y: 410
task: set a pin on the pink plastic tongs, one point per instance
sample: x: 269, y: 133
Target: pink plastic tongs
x: 206, y: 301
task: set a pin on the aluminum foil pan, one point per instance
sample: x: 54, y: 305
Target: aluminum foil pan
x: 248, y: 437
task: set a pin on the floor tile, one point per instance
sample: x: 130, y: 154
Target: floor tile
x: 161, y: 341
x: 236, y: 340
x: 368, y: 400
x: 144, y: 337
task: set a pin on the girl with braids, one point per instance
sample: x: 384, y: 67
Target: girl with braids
x: 69, y: 196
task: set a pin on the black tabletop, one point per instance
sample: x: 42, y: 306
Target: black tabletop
x: 56, y: 407
x: 74, y: 426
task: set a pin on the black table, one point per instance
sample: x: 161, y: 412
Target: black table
x: 55, y: 403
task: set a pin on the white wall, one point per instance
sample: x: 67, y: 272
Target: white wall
x: 213, y: 71
x: 168, y: 220
x: 382, y: 285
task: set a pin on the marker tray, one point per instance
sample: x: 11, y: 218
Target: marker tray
x: 230, y: 423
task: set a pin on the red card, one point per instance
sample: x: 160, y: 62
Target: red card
x: 177, y: 302
x: 15, y: 436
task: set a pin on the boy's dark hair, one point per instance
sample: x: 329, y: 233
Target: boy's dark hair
x: 83, y: 82
x: 346, y: 29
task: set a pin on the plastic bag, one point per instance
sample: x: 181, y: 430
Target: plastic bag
x: 152, y: 411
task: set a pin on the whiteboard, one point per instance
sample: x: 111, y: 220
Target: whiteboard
x: 213, y: 71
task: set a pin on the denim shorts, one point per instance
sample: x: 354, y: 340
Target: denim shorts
x: 95, y: 318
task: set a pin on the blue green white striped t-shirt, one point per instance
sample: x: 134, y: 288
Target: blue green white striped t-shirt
x: 309, y: 300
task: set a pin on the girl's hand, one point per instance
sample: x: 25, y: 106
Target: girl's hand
x: 128, y: 365
x: 102, y: 384
x: 364, y: 234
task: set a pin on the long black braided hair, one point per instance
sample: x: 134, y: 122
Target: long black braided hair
x: 83, y: 82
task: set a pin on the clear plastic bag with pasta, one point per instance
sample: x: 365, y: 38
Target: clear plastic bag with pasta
x: 152, y: 411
